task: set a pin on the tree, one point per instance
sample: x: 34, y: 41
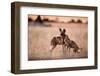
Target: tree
x: 29, y: 20
x: 45, y: 19
x: 86, y: 22
x: 38, y: 19
x: 79, y: 21
x: 72, y: 21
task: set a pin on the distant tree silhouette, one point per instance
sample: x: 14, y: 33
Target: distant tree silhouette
x: 79, y: 21
x: 45, y: 19
x: 86, y: 22
x: 38, y: 19
x: 72, y: 21
x: 51, y: 20
x: 30, y: 20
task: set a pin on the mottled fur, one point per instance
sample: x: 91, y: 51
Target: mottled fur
x: 64, y: 40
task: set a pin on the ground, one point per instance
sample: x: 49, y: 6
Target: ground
x: 40, y: 35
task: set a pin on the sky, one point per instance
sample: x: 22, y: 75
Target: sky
x: 59, y: 18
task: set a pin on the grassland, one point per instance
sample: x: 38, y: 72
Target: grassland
x: 39, y: 38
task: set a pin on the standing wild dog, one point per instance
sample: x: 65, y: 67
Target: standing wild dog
x: 72, y: 44
x: 59, y: 40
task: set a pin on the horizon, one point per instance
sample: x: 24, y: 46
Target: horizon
x: 59, y: 18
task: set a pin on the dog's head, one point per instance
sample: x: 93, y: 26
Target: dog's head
x: 62, y: 31
x: 79, y: 50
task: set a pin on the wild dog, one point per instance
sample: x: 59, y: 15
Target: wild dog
x: 59, y: 40
x: 65, y: 41
x: 72, y: 44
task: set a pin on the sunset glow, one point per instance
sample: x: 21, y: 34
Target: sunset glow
x: 60, y: 18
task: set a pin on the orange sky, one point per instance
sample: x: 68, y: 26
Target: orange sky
x: 60, y: 18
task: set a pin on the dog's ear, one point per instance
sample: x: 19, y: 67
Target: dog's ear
x: 64, y: 30
x: 60, y: 29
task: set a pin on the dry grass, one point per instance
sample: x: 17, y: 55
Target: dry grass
x: 39, y: 41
